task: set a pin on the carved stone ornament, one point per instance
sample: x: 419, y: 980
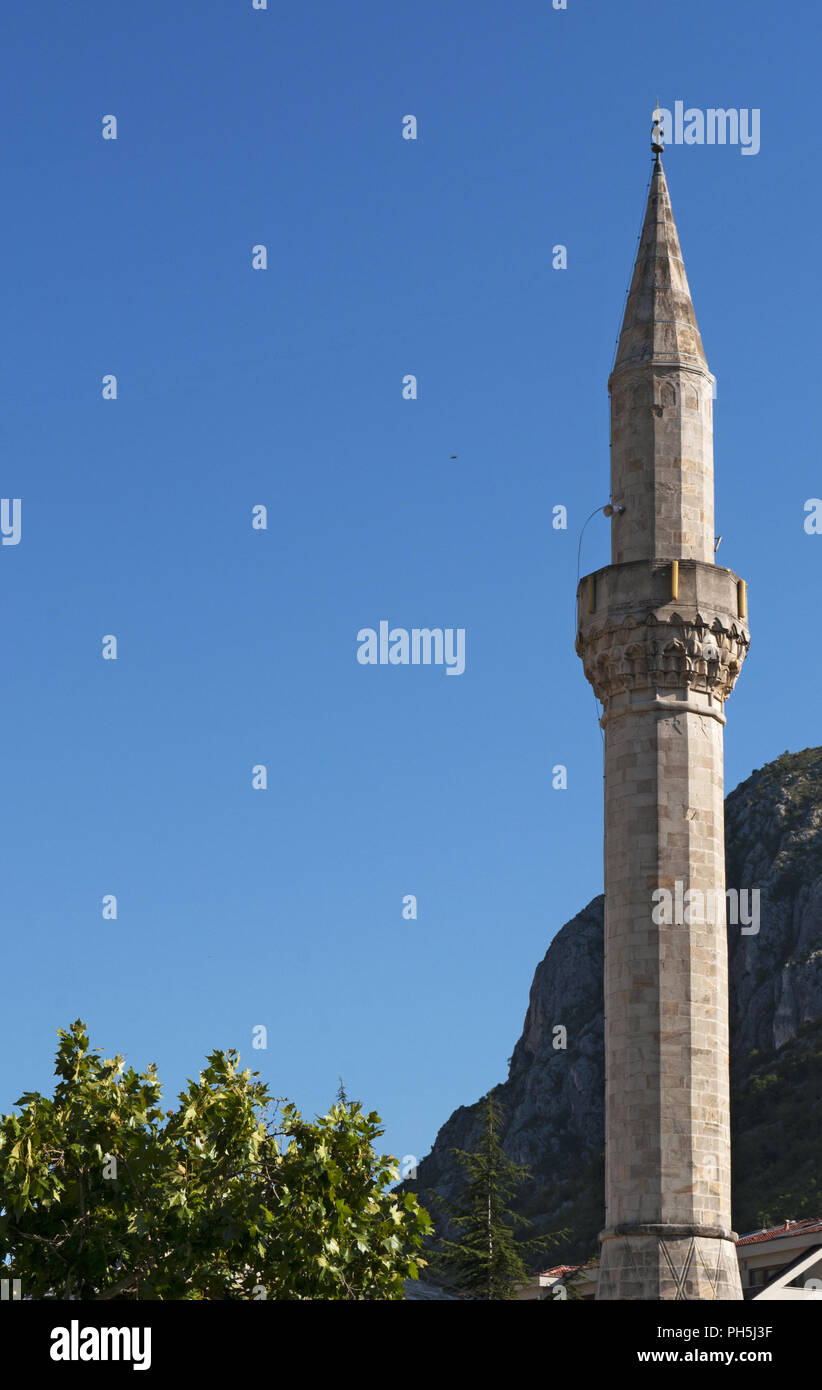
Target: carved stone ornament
x: 663, y: 654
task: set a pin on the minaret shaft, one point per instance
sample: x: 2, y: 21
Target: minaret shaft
x: 666, y: 1007
x: 662, y: 644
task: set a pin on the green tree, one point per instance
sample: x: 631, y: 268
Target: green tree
x: 231, y: 1195
x: 486, y: 1260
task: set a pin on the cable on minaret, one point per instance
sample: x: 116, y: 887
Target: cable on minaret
x: 607, y: 510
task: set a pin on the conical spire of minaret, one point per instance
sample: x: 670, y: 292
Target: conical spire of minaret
x: 659, y: 325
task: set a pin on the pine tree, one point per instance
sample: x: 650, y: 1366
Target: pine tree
x: 486, y: 1261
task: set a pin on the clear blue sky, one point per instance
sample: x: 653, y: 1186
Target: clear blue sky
x: 283, y: 387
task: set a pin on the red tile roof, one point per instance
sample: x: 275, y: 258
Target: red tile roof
x: 805, y: 1227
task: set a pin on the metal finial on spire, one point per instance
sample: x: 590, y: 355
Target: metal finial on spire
x: 657, y: 132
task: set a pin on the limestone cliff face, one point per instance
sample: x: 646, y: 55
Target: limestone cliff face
x: 554, y: 1098
x: 773, y: 840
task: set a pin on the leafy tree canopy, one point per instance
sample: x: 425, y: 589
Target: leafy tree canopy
x: 232, y: 1195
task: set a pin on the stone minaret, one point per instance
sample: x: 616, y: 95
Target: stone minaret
x: 662, y: 632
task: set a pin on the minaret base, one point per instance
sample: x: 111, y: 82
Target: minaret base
x: 668, y: 1262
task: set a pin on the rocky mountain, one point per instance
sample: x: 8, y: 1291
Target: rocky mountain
x: 554, y: 1098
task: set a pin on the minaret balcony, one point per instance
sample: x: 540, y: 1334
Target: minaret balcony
x: 654, y: 625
